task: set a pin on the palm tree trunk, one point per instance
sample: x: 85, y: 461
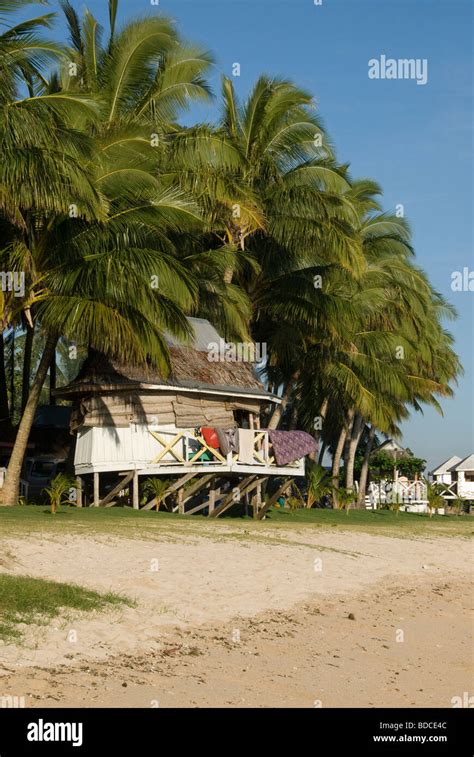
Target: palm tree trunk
x: 52, y: 379
x: 25, y: 383
x: 364, y: 471
x: 294, y: 418
x: 10, y: 490
x: 322, y: 417
x: 321, y: 453
x: 336, y: 461
x: 356, y: 433
x: 285, y: 398
x: 12, y: 380
x: 317, y: 432
x: 229, y: 272
x: 4, y: 409
x: 349, y: 423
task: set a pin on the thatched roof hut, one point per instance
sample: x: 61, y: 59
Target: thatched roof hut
x: 200, y: 423
x: 198, y: 391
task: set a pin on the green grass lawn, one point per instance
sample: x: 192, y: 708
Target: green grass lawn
x: 146, y: 524
x: 33, y: 600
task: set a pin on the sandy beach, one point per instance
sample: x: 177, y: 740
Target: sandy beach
x: 251, y: 618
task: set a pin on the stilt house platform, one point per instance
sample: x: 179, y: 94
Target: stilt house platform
x: 131, y: 424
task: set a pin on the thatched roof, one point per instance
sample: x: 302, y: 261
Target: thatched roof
x: 190, y: 370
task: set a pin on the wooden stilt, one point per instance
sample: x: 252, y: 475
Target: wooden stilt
x: 96, y: 490
x: 212, y: 500
x: 174, y: 487
x: 179, y: 483
x: 246, y: 486
x: 204, y: 504
x: 273, y: 499
x: 257, y: 500
x: 121, y: 485
x: 135, y: 492
x: 78, y: 491
x: 197, y: 486
x: 229, y: 500
x: 181, y: 501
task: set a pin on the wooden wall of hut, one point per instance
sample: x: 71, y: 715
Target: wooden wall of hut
x: 159, y: 408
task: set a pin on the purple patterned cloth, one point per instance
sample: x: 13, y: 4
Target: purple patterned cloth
x: 289, y: 446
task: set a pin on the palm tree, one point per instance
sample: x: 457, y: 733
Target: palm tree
x: 145, y: 74
x: 364, y: 471
x: 434, y: 494
x: 318, y: 483
x: 345, y: 498
x: 89, y: 272
x: 24, y: 55
x: 354, y: 363
x: 123, y: 222
x: 271, y: 193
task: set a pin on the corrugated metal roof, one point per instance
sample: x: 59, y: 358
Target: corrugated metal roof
x: 204, y: 334
x: 466, y: 464
x: 447, y: 465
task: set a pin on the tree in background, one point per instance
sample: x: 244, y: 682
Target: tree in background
x: 124, y: 222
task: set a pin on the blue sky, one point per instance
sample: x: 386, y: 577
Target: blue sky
x: 416, y: 141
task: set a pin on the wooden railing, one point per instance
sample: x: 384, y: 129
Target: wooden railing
x: 401, y: 492
x: 188, y: 448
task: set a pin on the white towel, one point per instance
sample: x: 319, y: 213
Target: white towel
x: 246, y: 438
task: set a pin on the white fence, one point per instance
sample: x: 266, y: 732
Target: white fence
x: 410, y: 495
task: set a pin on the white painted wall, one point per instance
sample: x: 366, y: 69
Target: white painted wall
x: 465, y: 488
x: 443, y: 478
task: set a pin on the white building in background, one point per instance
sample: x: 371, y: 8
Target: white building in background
x: 393, y: 448
x: 457, y: 476
x: 443, y: 474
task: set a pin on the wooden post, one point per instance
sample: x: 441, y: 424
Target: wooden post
x: 257, y: 500
x: 253, y: 503
x: 251, y: 421
x: 246, y: 486
x: 135, y: 493
x: 271, y: 501
x: 212, y: 500
x: 181, y: 501
x: 79, y: 491
x: 117, y: 489
x: 96, y: 489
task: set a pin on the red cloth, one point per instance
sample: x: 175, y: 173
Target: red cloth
x: 210, y: 437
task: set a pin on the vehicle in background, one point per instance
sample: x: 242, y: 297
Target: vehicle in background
x: 38, y: 475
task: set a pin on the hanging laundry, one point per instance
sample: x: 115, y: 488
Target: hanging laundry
x: 289, y: 446
x: 246, y: 448
x: 210, y: 436
x: 228, y: 440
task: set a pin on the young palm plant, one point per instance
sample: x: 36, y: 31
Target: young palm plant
x: 155, y: 488
x: 434, y: 496
x: 58, y: 491
x: 318, y: 483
